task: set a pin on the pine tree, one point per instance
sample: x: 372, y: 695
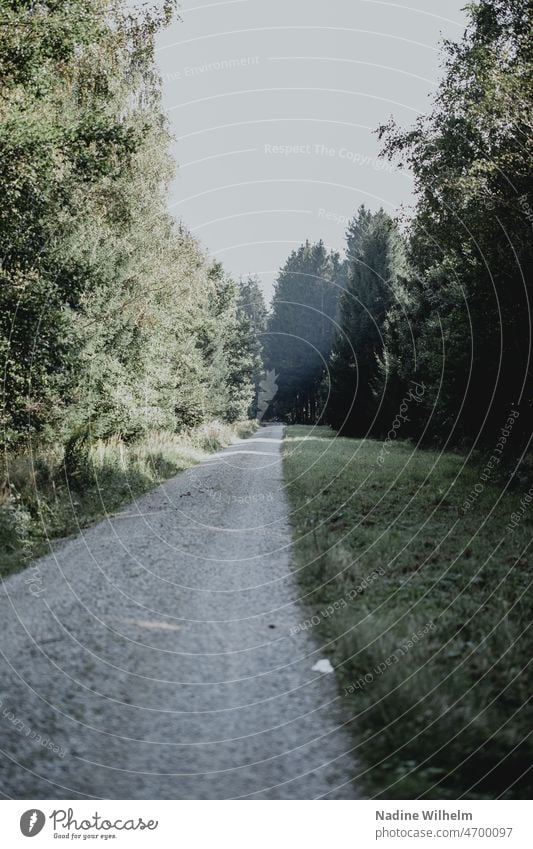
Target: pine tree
x: 375, y: 254
x: 300, y: 329
x: 469, y: 289
x: 252, y: 311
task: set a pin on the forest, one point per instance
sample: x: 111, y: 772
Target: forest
x: 439, y: 299
x: 118, y: 329
x: 388, y: 515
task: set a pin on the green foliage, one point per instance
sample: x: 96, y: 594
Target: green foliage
x: 375, y: 254
x: 51, y: 493
x: 449, y: 310
x: 301, y: 327
x: 64, y: 136
x: 253, y: 316
x: 114, y: 322
x: 465, y: 332
x: 385, y: 552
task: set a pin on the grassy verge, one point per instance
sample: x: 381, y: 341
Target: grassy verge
x: 40, y: 501
x: 424, y: 608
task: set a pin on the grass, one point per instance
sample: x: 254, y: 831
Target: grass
x: 423, y: 608
x: 40, y: 501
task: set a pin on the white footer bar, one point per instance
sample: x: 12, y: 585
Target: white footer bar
x: 266, y: 824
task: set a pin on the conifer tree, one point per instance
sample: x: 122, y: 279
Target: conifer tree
x: 300, y: 329
x: 375, y: 261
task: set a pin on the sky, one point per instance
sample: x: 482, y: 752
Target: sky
x: 274, y: 104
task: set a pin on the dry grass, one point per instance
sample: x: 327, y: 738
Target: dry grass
x: 39, y: 502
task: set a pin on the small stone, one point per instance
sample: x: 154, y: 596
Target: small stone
x: 323, y: 666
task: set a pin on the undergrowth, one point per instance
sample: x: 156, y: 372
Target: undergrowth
x: 51, y: 492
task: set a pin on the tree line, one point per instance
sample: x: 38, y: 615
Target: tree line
x: 114, y: 320
x: 439, y: 301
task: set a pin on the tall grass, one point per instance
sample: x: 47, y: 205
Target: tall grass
x: 42, y: 497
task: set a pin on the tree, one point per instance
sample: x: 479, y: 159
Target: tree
x: 468, y: 294
x: 68, y: 139
x: 253, y: 314
x: 113, y: 320
x: 300, y: 329
x: 375, y: 261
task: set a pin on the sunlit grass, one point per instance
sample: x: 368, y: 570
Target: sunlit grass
x: 39, y: 502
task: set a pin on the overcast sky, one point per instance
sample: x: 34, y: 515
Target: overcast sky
x: 273, y: 104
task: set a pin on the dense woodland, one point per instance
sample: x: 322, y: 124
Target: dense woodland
x: 114, y: 322
x: 440, y: 300
x: 114, y: 319
x: 300, y: 330
x: 127, y: 352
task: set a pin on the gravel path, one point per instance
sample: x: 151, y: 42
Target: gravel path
x: 154, y: 651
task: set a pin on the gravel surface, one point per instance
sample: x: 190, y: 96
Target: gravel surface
x: 152, y: 657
